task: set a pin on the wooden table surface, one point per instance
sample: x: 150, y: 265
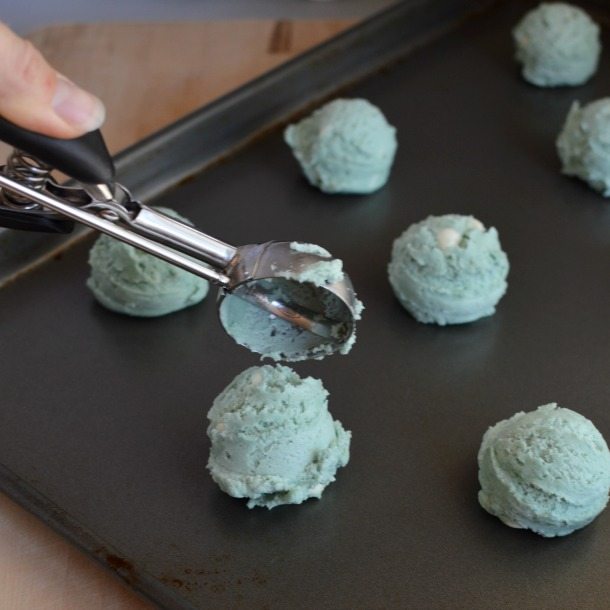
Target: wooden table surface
x: 148, y: 75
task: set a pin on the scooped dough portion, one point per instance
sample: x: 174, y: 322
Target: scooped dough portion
x: 547, y: 470
x: 557, y: 44
x: 273, y: 439
x: 584, y: 144
x: 448, y: 269
x: 129, y: 281
x: 308, y: 288
x: 347, y: 146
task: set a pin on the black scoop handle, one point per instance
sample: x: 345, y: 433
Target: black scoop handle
x: 85, y: 159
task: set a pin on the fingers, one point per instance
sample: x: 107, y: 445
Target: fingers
x: 33, y: 95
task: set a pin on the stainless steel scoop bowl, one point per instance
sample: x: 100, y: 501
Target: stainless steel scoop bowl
x: 270, y: 313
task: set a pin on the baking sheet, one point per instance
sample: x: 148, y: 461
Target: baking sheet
x: 102, y: 424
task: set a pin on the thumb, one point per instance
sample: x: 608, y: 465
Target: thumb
x: 34, y: 96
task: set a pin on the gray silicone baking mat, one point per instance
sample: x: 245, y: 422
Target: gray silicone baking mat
x: 102, y: 417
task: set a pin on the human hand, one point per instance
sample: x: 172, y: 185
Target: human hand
x: 35, y: 96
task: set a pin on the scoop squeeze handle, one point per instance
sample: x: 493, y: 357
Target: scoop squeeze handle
x: 85, y: 158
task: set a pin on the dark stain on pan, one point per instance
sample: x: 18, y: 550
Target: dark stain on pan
x: 215, y: 579
x: 180, y: 584
x: 176, y: 583
x: 123, y: 567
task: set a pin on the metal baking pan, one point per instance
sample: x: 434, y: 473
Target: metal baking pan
x: 102, y: 423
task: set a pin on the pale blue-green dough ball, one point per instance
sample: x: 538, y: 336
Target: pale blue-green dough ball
x: 130, y: 281
x: 448, y: 269
x: 584, y: 144
x: 547, y: 470
x: 347, y: 146
x: 557, y: 44
x: 273, y: 439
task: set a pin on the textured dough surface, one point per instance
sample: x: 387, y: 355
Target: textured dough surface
x: 347, y: 146
x: 557, y: 44
x: 129, y: 281
x: 547, y: 470
x: 273, y: 439
x: 583, y: 144
x: 448, y: 269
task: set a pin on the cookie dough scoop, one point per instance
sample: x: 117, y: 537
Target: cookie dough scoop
x: 281, y: 299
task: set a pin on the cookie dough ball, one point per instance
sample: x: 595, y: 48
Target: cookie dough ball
x: 347, y: 146
x: 273, y: 439
x: 557, y: 44
x: 584, y: 144
x: 448, y: 269
x: 129, y: 281
x: 547, y: 470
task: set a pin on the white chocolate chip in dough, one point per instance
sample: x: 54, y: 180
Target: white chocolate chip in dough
x: 256, y: 378
x: 448, y: 238
x: 476, y: 224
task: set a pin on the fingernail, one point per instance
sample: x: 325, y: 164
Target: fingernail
x: 77, y: 107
